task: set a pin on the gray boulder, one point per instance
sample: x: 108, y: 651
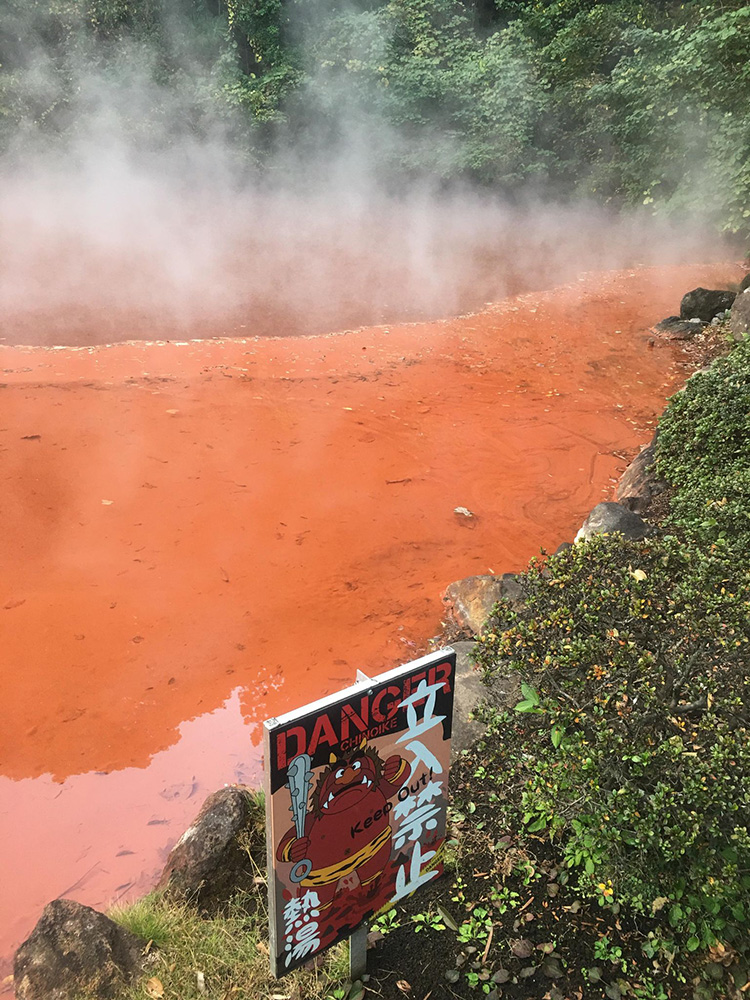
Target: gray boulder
x: 609, y: 518
x: 469, y: 691
x: 745, y: 283
x: 705, y: 303
x: 214, y: 857
x: 74, y: 950
x: 470, y: 601
x: 472, y: 688
x: 639, y: 483
x: 679, y: 329
x: 739, y: 321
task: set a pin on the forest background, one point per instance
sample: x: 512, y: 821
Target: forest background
x: 636, y: 102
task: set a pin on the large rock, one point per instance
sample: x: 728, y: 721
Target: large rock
x: 74, y: 950
x: 739, y: 321
x: 745, y: 283
x: 610, y: 518
x: 705, y: 303
x: 679, y: 329
x: 639, y: 483
x: 471, y: 689
x: 210, y: 862
x: 471, y: 600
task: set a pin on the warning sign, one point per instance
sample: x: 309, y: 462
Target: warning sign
x: 356, y: 796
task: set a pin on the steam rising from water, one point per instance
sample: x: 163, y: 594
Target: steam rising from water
x: 114, y: 249
x: 147, y: 221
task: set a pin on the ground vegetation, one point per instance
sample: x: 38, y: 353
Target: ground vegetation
x: 627, y: 751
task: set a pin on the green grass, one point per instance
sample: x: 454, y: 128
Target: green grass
x: 194, y: 958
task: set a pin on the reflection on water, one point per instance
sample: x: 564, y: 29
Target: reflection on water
x: 102, y: 838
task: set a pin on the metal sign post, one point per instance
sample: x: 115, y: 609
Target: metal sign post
x: 358, y: 940
x: 358, y: 953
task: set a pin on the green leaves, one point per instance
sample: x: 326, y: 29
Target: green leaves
x: 446, y: 917
x: 702, y: 451
x: 539, y: 824
x: 630, y: 741
x: 530, y: 701
x: 676, y: 913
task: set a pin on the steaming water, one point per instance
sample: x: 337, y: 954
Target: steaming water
x: 201, y: 535
x: 115, y: 250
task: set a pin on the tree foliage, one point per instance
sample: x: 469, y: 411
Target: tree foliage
x: 636, y: 101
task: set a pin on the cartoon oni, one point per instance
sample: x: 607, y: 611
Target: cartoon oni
x: 347, y: 828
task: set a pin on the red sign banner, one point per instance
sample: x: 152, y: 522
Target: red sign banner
x: 356, y: 795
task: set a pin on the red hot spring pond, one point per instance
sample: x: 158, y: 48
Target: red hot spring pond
x: 200, y: 534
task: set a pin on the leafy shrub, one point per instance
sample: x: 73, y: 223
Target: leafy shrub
x: 716, y: 510
x: 631, y: 743
x: 703, y: 451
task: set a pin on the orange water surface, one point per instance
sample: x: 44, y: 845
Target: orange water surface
x: 200, y: 535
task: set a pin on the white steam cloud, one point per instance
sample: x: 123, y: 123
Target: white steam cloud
x: 149, y: 221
